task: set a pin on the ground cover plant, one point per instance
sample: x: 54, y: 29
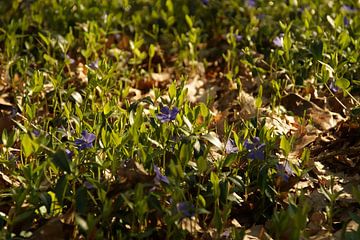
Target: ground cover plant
x: 164, y: 119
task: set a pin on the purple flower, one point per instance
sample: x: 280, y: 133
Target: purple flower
x: 256, y: 149
x: 348, y: 8
x: 86, y: 141
x: 36, y: 132
x: 94, y: 65
x: 186, y: 209
x: 231, y: 147
x: 69, y: 59
x: 284, y: 171
x: 88, y: 185
x: 13, y: 111
x: 167, y: 115
x: 346, y: 21
x: 333, y: 87
x: 159, y: 177
x: 69, y: 154
x: 251, y: 3
x: 279, y: 41
x: 205, y: 2
x: 238, y: 37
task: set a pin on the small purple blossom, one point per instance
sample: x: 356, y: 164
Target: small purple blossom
x: 333, y: 86
x: 256, y: 149
x: 251, y: 3
x: 186, y: 209
x: 348, y: 8
x: 205, y: 2
x: 279, y: 41
x: 36, y: 132
x: 69, y: 59
x: 14, y: 112
x: 88, y: 185
x: 86, y: 141
x: 284, y: 171
x: 346, y: 21
x: 159, y: 177
x: 167, y: 114
x: 231, y: 146
x: 69, y: 154
x: 94, y: 65
x: 238, y: 37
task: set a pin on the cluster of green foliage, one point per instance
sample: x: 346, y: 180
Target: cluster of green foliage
x: 111, y: 167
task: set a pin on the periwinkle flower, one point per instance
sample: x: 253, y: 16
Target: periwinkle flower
x: 36, y: 132
x: 251, y: 3
x: 69, y: 59
x: 88, y: 185
x: 186, y: 209
x: 86, y: 141
x: 346, y: 21
x: 13, y: 112
x: 279, y: 41
x: 205, y: 2
x: 256, y: 149
x: 166, y: 114
x: 284, y: 171
x: 231, y: 146
x: 333, y: 86
x: 69, y: 154
x: 159, y: 177
x: 94, y: 65
x: 348, y: 8
x: 238, y: 37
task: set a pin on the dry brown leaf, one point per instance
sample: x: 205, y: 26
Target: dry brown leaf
x: 322, y: 118
x: 190, y: 224
x: 256, y: 232
x: 161, y: 77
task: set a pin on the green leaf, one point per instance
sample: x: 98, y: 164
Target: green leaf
x: 202, y: 200
x: 344, y: 39
x: 317, y: 49
x: 342, y: 83
x: 27, y: 145
x: 172, y: 90
x: 61, y: 160
x: 45, y: 39
x: 202, y: 164
x: 151, y: 51
x: 287, y: 42
x: 285, y: 145
x: 185, y: 153
x: 214, y: 179
x: 258, y: 101
x: 229, y: 160
x: 204, y: 110
x: 355, y: 111
x: 107, y: 108
x: 4, y: 137
x: 81, y: 200
x: 27, y: 216
x: 187, y: 122
x: 189, y: 21
x: 61, y: 188
x: 50, y: 59
x: 217, y: 221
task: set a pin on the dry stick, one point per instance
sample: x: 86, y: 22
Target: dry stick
x: 336, y: 98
